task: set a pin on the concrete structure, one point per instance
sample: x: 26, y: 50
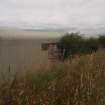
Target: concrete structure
x: 53, y: 51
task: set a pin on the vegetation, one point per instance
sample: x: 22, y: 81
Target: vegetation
x: 78, y: 82
x: 74, y: 43
x: 102, y: 41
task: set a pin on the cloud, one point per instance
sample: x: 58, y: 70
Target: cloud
x: 39, y: 13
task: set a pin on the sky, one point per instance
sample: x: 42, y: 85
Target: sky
x: 55, y: 14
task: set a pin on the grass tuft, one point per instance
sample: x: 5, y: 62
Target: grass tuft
x: 78, y: 82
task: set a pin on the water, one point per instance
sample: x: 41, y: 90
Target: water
x: 18, y: 55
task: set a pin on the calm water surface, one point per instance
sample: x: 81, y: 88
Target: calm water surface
x: 18, y: 55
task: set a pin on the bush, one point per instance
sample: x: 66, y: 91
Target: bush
x: 73, y: 43
x: 70, y: 44
x: 102, y: 41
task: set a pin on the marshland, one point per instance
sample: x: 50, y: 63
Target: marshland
x: 27, y: 77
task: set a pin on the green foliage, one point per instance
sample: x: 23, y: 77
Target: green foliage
x: 102, y: 41
x: 91, y: 44
x: 70, y: 44
x: 73, y: 43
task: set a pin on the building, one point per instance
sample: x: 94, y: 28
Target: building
x: 52, y: 49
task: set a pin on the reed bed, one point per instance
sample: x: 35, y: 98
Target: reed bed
x: 77, y: 82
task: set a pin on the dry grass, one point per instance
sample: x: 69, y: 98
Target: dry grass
x: 80, y: 82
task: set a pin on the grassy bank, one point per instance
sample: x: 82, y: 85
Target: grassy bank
x: 78, y: 82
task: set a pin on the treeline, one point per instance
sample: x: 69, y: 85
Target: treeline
x: 74, y: 43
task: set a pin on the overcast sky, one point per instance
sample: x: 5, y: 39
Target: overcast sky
x: 52, y: 13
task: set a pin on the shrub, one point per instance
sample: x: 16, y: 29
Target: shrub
x: 73, y: 43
